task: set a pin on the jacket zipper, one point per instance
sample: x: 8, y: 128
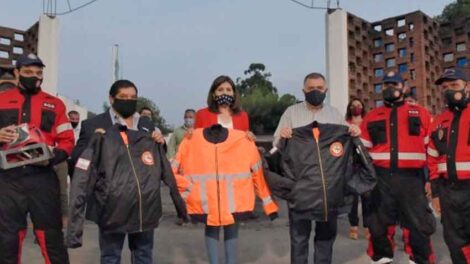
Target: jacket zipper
x: 217, y: 180
x: 325, y: 202
x: 138, y: 187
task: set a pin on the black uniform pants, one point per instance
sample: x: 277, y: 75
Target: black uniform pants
x: 399, y: 198
x: 353, y: 215
x: 455, y: 217
x: 33, y: 190
x: 325, y: 235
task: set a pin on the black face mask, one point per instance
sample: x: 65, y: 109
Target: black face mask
x: 74, y: 124
x: 125, y: 108
x: 392, y: 94
x: 30, y: 85
x: 315, y: 97
x: 456, y: 104
x: 224, y: 99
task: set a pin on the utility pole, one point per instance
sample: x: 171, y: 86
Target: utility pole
x: 115, y: 65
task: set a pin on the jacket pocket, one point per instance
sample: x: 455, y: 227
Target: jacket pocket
x: 414, y: 126
x: 8, y: 117
x: 47, y: 120
x: 378, y: 132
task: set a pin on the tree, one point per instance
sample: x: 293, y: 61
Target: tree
x: 157, y: 119
x: 459, y: 9
x: 260, y: 99
x: 257, y: 79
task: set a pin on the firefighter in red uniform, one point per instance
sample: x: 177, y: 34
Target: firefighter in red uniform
x: 449, y: 164
x: 32, y: 189
x: 396, y: 136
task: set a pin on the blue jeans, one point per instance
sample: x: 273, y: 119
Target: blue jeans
x: 140, y: 245
x: 230, y: 243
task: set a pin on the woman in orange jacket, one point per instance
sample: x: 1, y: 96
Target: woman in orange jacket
x: 218, y: 171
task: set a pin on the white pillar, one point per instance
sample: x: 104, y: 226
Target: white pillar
x: 48, y: 51
x: 337, y: 73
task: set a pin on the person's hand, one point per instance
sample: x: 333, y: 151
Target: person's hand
x: 158, y: 137
x: 189, y: 133
x: 286, y: 132
x: 250, y: 136
x: 8, y: 134
x: 436, y: 205
x: 427, y: 191
x: 354, y: 130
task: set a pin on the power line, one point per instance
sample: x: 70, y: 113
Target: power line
x: 76, y: 8
x: 312, y: 5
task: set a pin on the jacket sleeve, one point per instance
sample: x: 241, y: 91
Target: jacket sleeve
x: 169, y: 179
x: 261, y: 188
x: 280, y: 186
x: 433, y: 158
x: 365, y: 136
x: 83, y: 140
x: 84, y: 172
x: 64, y: 137
x: 364, y: 178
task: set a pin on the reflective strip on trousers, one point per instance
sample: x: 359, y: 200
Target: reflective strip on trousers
x: 460, y: 166
x: 401, y: 156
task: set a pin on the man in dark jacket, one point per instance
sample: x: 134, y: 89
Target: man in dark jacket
x: 121, y: 91
x: 117, y: 178
x: 321, y: 165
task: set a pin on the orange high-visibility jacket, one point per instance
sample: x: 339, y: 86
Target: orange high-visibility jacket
x: 218, y: 181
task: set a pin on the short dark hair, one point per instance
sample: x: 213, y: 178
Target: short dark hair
x: 119, y: 84
x: 189, y: 111
x: 73, y: 112
x: 145, y: 108
x: 314, y: 75
x: 348, y: 109
x: 212, y: 104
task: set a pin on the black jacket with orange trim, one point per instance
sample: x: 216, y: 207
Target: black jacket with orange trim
x: 117, y: 179
x: 317, y: 171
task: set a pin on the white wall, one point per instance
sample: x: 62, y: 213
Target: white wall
x: 48, y: 51
x: 337, y: 73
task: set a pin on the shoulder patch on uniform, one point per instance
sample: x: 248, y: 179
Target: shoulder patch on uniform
x: 336, y: 149
x: 83, y: 164
x: 147, y: 158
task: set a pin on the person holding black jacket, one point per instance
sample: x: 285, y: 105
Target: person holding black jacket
x: 117, y: 179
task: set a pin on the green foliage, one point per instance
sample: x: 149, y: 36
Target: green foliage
x: 261, y: 100
x: 459, y: 9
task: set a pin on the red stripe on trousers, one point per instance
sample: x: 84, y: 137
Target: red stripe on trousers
x: 406, y: 241
x: 466, y: 253
x: 21, y: 235
x: 41, y: 236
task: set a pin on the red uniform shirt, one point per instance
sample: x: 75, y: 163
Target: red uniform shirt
x: 396, y: 136
x: 41, y: 110
x: 449, y: 147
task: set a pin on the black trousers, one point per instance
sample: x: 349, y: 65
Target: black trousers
x: 455, y: 217
x: 353, y: 215
x: 399, y: 199
x: 325, y: 235
x: 33, y: 190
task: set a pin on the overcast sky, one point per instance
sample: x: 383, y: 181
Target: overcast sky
x: 173, y: 49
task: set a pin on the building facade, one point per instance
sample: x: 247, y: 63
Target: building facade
x: 413, y: 44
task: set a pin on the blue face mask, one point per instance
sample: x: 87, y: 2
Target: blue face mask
x: 189, y: 122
